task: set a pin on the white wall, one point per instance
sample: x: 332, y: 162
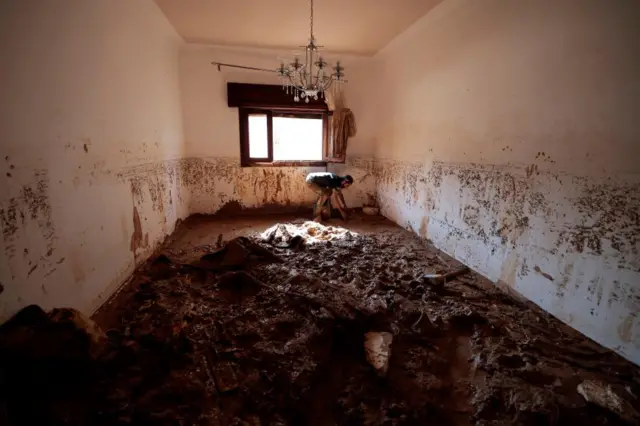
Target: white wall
x: 91, y: 134
x: 508, y: 135
x: 213, y: 142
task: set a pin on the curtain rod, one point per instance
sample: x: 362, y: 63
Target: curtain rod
x: 220, y: 64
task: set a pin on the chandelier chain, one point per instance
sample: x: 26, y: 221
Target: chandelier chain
x: 311, y: 20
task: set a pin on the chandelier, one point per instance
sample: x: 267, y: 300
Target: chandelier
x: 309, y: 79
x: 304, y: 80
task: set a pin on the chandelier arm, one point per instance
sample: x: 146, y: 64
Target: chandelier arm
x: 328, y: 84
x: 295, y: 85
x: 302, y: 79
x: 318, y: 79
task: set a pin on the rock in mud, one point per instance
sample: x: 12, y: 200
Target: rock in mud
x: 225, y: 377
x: 18, y: 331
x: 377, y: 347
x: 600, y: 393
x: 45, y: 359
x: 32, y: 332
x: 70, y: 316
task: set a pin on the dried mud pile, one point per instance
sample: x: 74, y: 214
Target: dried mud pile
x: 269, y: 330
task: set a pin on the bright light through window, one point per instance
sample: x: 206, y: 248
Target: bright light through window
x: 296, y: 139
x: 259, y: 146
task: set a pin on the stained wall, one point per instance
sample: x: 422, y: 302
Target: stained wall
x: 91, y: 139
x: 507, y: 134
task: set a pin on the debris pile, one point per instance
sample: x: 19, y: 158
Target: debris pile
x: 309, y: 324
x: 283, y: 235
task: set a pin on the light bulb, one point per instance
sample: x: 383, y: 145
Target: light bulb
x: 306, y: 99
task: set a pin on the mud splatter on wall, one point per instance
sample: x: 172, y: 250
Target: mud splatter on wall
x: 157, y: 192
x: 72, y: 146
x: 512, y: 144
x: 364, y: 179
x: 30, y: 209
x: 567, y: 242
x: 214, y: 182
x: 159, y: 184
x: 55, y: 245
x: 31, y: 205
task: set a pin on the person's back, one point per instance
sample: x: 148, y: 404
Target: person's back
x: 325, y: 180
x: 325, y: 184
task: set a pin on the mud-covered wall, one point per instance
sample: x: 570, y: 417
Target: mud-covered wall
x: 215, y: 177
x: 91, y: 136
x: 219, y: 182
x: 508, y: 136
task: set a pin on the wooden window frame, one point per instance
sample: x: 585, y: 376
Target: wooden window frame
x: 247, y: 161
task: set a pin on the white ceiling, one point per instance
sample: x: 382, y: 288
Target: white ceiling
x: 349, y: 26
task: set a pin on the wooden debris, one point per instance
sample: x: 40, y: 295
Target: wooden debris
x: 441, y: 279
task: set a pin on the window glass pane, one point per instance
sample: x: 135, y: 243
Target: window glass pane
x: 258, y: 140
x: 297, y: 139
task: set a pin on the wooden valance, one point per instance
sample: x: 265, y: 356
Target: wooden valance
x: 242, y: 95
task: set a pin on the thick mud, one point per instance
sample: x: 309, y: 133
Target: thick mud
x: 232, y: 325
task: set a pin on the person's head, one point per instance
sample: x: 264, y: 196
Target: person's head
x: 347, y: 181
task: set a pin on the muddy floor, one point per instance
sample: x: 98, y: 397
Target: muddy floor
x: 232, y: 325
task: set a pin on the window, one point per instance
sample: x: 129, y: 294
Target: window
x: 277, y: 131
x: 280, y: 137
x: 297, y: 137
